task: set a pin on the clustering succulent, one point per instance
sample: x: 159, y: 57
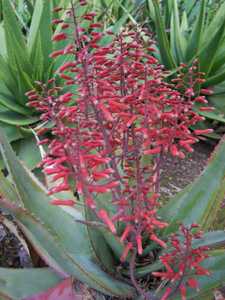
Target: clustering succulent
x: 186, y: 31
x: 101, y: 220
x: 26, y: 32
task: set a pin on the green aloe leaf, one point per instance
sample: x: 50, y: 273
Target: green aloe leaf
x: 3, y: 49
x: 64, y: 290
x: 216, y: 22
x: 50, y: 227
x: 13, y: 133
x: 176, y: 39
x: 211, y: 239
x: 151, y: 11
x: 114, y: 243
x: 7, y: 76
x: 143, y: 271
x: 218, y: 101
x: 11, y: 23
x: 10, y: 102
x: 216, y: 78
x: 38, y: 61
x: 209, y: 50
x: 216, y: 116
x: 40, y: 34
x: 65, y: 262
x: 167, y: 58
x: 219, y: 60
x: 184, y: 22
x: 103, y: 253
x: 196, y: 35
x: 127, y: 8
x: 13, y: 118
x: 15, y: 42
x: 7, y: 190
x: 26, y: 150
x: 17, y: 284
x: 199, y: 202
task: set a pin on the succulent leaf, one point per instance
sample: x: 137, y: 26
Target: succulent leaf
x: 17, y: 284
x: 200, y: 201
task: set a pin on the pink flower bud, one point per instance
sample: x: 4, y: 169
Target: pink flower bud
x: 59, y: 37
x: 103, y: 215
x: 62, y: 202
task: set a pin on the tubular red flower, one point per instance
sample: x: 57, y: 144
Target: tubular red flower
x: 62, y: 202
x: 156, y: 150
x: 103, y: 215
x: 154, y: 238
x: 182, y: 260
x: 126, y: 233
x: 56, y: 53
x: 59, y: 37
x: 183, y: 292
x: 207, y: 108
x: 139, y: 244
x: 127, y: 249
x: 193, y: 283
x: 166, y: 294
x: 203, y: 131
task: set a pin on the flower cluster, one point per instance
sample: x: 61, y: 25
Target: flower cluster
x: 113, y: 126
x: 182, y: 262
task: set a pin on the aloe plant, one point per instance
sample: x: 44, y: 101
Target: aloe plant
x: 24, y: 59
x: 183, y: 38
x: 26, y: 44
x: 67, y: 247
x: 100, y: 220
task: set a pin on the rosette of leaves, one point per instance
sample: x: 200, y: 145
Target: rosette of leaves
x: 25, y: 32
x: 24, y: 58
x: 188, y: 30
x: 71, y: 248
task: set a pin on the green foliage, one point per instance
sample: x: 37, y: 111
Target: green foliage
x: 24, y: 58
x: 186, y: 30
x: 21, y: 283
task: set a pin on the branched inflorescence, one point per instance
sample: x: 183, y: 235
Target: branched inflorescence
x: 182, y: 262
x: 111, y: 132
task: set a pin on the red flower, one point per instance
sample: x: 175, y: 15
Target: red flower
x: 182, y: 261
x: 59, y: 37
x: 63, y: 202
x: 103, y: 215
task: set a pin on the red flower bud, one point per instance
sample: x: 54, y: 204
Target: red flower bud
x: 59, y: 37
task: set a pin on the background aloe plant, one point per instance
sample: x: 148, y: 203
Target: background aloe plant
x: 187, y: 30
x: 25, y: 32
x: 24, y: 57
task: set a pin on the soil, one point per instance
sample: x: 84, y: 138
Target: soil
x: 176, y: 174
